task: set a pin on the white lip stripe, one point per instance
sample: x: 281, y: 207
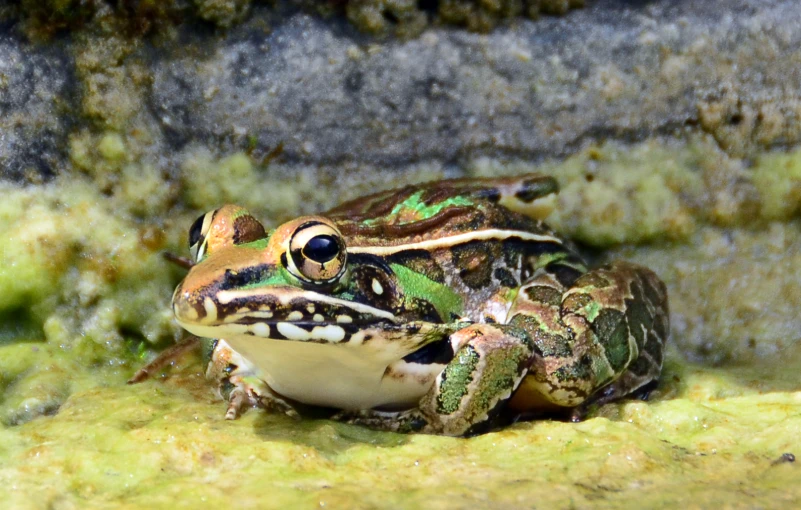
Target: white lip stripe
x: 431, y: 244
x: 226, y: 296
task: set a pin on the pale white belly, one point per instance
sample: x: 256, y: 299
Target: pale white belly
x: 344, y: 376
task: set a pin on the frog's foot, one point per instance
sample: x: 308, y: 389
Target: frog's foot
x: 615, y: 391
x: 248, y: 391
x: 411, y: 420
x: 169, y: 356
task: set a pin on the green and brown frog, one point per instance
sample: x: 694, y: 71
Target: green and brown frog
x: 430, y: 308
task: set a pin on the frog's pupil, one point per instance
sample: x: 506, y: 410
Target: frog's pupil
x: 321, y: 248
x: 195, y: 231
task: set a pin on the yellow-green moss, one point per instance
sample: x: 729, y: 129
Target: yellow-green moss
x: 610, y: 195
x: 223, y: 13
x: 706, y: 436
x: 777, y: 176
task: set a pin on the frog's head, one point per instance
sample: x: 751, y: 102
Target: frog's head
x: 297, y: 282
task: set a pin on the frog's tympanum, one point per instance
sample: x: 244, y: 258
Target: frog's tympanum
x: 425, y: 309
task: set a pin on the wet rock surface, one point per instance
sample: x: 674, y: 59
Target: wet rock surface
x: 315, y: 90
x: 37, y: 107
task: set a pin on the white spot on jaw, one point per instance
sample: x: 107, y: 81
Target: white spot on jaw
x: 318, y: 318
x: 294, y: 316
x: 211, y: 310
x: 329, y: 333
x: 344, y: 319
x: 261, y: 329
x: 310, y: 308
x: 377, y: 288
x: 292, y: 332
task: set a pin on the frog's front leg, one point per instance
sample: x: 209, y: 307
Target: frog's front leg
x: 597, y: 338
x: 490, y: 362
x: 239, y: 382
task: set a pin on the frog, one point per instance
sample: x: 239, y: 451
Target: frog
x: 434, y: 308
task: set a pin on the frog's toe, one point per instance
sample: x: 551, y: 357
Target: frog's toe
x: 236, y: 402
x: 252, y: 392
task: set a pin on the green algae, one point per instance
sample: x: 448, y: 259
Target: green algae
x: 165, y: 443
x: 662, y: 189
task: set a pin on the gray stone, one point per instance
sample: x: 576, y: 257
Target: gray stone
x: 532, y: 89
x: 36, y: 109
x: 327, y: 95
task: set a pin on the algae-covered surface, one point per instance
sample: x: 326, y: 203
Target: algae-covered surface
x: 710, y: 437
x: 85, y: 294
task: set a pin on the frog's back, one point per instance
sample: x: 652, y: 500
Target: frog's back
x: 432, y: 211
x: 479, y: 238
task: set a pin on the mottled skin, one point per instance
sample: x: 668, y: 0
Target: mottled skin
x: 426, y: 309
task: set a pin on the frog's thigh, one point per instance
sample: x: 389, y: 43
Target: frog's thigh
x: 490, y: 362
x: 606, y: 329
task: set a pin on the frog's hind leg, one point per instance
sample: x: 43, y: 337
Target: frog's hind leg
x: 598, y: 337
x: 490, y: 362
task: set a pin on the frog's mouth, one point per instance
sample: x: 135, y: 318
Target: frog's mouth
x: 283, y: 313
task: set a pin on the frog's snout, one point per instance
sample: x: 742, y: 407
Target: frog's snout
x: 185, y: 308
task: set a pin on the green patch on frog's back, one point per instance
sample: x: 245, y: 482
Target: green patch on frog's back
x: 422, y: 209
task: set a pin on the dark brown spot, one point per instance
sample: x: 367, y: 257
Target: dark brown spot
x: 248, y: 229
x: 574, y: 303
x: 544, y: 294
x: 593, y: 279
x: 611, y: 330
x: 491, y: 194
x: 564, y: 274
x: 505, y: 277
x: 474, y: 261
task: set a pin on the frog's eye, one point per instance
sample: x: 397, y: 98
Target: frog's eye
x: 316, y: 253
x: 197, y: 235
